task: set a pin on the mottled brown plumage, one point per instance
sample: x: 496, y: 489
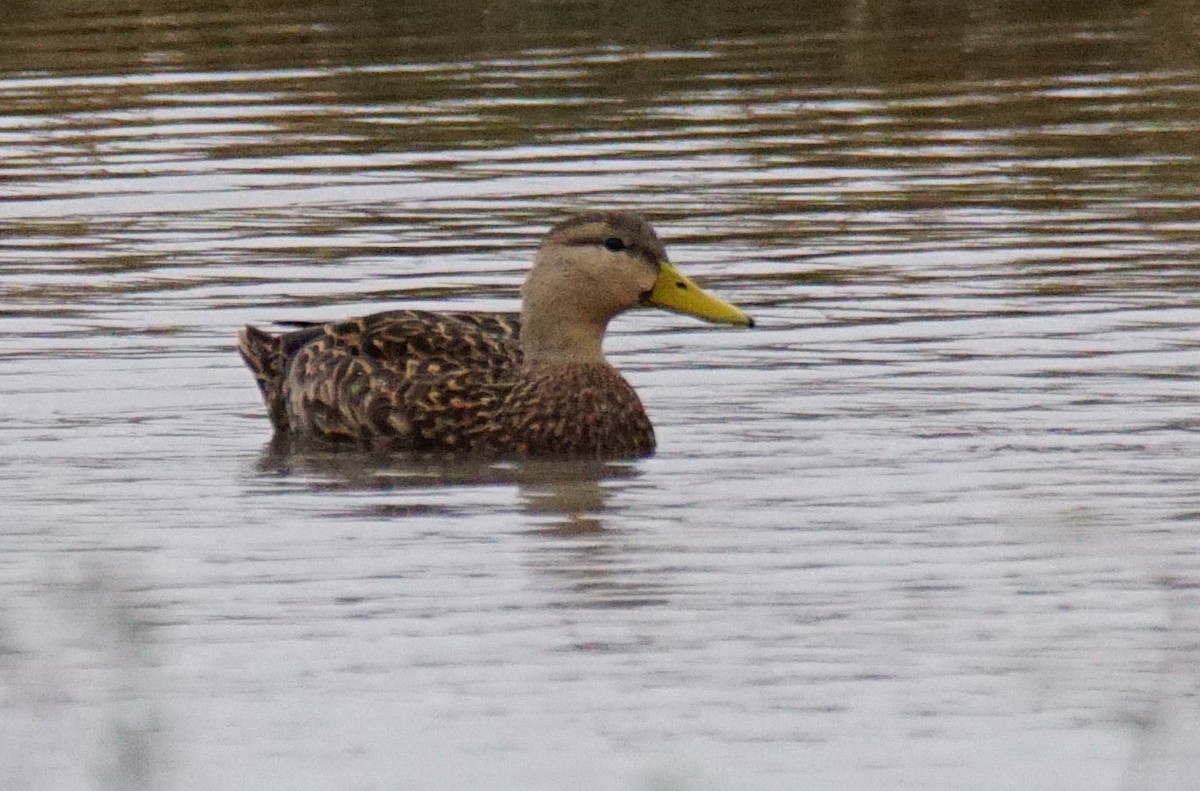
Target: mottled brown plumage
x: 487, y: 383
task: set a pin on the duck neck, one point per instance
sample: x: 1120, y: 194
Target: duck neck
x: 550, y: 341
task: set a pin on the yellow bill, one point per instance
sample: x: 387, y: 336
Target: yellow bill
x: 674, y: 291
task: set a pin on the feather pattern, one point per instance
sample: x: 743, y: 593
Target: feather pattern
x: 441, y: 382
x: 496, y: 384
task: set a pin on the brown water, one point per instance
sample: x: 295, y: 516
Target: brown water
x: 932, y: 525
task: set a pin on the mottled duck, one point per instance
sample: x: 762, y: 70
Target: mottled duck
x: 490, y: 384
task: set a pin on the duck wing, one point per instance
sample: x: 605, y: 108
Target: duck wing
x: 406, y: 379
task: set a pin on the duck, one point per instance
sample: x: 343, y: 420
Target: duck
x: 533, y: 384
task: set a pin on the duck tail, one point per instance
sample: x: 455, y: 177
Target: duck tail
x: 263, y: 355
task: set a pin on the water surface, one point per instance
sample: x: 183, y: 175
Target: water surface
x: 931, y: 525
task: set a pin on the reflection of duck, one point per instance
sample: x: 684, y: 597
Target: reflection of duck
x: 583, y: 549
x: 488, y: 383
x: 581, y: 538
x: 565, y: 497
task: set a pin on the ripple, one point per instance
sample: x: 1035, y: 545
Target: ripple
x: 940, y: 504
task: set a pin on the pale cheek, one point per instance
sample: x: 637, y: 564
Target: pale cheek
x: 633, y: 288
x: 642, y: 280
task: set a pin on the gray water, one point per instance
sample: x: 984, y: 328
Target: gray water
x: 931, y: 525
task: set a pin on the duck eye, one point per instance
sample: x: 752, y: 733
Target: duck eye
x: 614, y: 244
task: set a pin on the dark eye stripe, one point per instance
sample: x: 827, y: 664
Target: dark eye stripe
x: 614, y: 243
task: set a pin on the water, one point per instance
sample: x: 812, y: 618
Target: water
x: 931, y: 525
